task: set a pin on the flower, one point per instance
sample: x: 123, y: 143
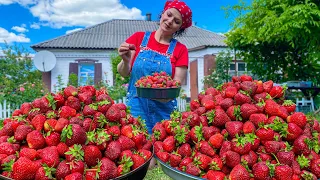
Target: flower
x: 22, y: 89
x: 32, y: 85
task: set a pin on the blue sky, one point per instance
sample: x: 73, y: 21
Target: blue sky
x: 27, y: 22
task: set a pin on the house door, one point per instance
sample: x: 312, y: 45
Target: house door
x: 194, y: 79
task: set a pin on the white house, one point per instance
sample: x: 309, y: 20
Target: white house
x: 87, y: 52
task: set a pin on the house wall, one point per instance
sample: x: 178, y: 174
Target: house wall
x: 199, y: 56
x: 64, y: 57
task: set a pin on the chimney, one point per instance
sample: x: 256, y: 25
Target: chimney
x: 148, y: 16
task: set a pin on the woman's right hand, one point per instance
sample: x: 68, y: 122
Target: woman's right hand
x: 125, y: 51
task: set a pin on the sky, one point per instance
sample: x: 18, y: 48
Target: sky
x: 28, y: 22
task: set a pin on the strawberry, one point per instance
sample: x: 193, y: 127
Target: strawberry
x: 300, y: 146
x: 126, y: 143
x: 50, y: 156
x: 23, y: 169
x: 52, y: 139
x: 126, y: 130
x: 137, y: 161
x: 196, y: 134
x: 208, y: 131
x: 239, y: 145
x: 85, y: 98
x: 73, y: 102
x: 261, y: 171
x: 294, y: 131
x: 230, y: 92
x: 235, y: 79
x: 163, y: 156
x: 169, y: 144
x: 113, y: 113
x: 283, y: 172
x: 192, y: 169
x: 285, y: 157
x: 7, y: 148
x: 217, y: 117
x: 7, y: 129
x: 61, y: 123
x: 139, y: 140
x: 92, y: 155
x: 240, y: 98
x: 194, y: 104
x: 265, y: 134
x: 226, y: 103
x: 88, y: 110
x: 216, y: 140
x: 113, y: 150
x: 44, y: 173
x: 35, y: 140
x: 74, y: 176
x: 67, y: 112
x: 249, y: 87
x: 114, y: 131
x: 211, y: 91
x: 185, y: 150
x: 158, y: 146
x: 239, y: 172
x: 205, y: 148
x: 59, y: 99
x: 70, y: 91
x: 277, y: 92
x: 73, y: 134
x: 245, y: 77
x: 289, y: 105
x: 108, y: 169
x: 28, y: 153
x: 175, y: 159
x: 267, y: 86
x: 234, y: 113
x: 231, y: 159
x: 298, y: 118
x: 234, y: 128
x: 49, y: 125
x: 247, y: 109
x: 202, y: 161
x: 272, y: 146
x: 208, y: 102
x: 248, y: 127
x: 315, y: 167
x: 21, y: 132
x: 215, y: 175
x: 62, y: 170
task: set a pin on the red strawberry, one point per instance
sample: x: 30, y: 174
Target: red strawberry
x: 289, y: 105
x: 241, y: 98
x: 249, y: 87
x: 74, y: 176
x: 239, y: 172
x: 67, y: 112
x: 208, y: 102
x: 234, y: 113
x: 23, y: 169
x: 208, y: 131
x: 194, y: 104
x: 216, y: 140
x: 63, y: 170
x: 137, y: 161
x: 85, y: 98
x: 185, y: 150
x: 28, y: 153
x: 283, y: 172
x: 202, y: 160
x: 248, y: 127
x: 205, y: 148
x: 231, y: 159
x: 230, y: 92
x: 265, y: 134
x: 53, y: 139
x: 298, y: 118
x: 114, y: 131
x: 217, y: 117
x: 192, y: 169
x: 163, y: 156
x: 234, y: 128
x: 211, y: 91
x: 300, y: 146
x: 70, y: 91
x: 245, y: 77
x: 50, y: 156
x: 247, y: 109
x: 59, y: 100
x: 73, y: 102
x: 35, y: 140
x: 277, y: 92
x: 21, y: 132
x: 226, y: 103
x: 294, y: 131
x: 92, y: 155
x: 272, y: 146
x: 285, y: 157
x: 261, y: 171
x: 169, y: 144
x: 61, y: 123
x: 113, y: 150
x: 7, y: 148
x: 113, y: 113
x: 315, y: 167
x: 126, y: 130
x: 235, y: 79
x: 73, y: 134
x: 49, y: 125
x: 175, y: 159
x: 158, y: 146
x: 44, y: 173
x: 108, y: 169
x: 126, y: 143
x: 267, y: 86
x: 239, y: 145
x: 215, y: 175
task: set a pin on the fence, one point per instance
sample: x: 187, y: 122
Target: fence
x: 6, y: 109
x: 181, y: 103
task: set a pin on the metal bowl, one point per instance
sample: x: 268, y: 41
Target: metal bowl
x: 174, y: 173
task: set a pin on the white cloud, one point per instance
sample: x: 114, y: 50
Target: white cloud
x: 66, y: 13
x: 6, y: 2
x: 6, y: 36
x: 73, y: 30
x: 20, y: 29
x: 35, y: 26
x: 1, y: 52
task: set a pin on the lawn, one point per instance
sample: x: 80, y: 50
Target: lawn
x: 156, y: 174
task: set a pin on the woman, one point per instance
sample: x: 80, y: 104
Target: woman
x: 147, y: 52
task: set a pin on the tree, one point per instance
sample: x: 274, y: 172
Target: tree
x: 19, y: 81
x: 221, y: 73
x: 278, y: 39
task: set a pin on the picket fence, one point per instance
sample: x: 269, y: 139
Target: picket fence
x: 6, y: 109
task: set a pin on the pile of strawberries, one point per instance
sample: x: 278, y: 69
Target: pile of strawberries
x: 157, y: 80
x: 74, y: 134
x: 243, y: 130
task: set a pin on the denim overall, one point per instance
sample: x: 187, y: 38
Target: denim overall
x: 146, y: 63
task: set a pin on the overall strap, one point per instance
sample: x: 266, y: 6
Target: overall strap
x: 145, y: 39
x: 171, y: 47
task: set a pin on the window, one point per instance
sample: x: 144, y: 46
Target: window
x: 232, y: 67
x: 86, y: 74
x: 241, y: 67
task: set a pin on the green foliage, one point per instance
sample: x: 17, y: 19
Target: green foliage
x: 19, y: 82
x: 73, y: 80
x: 221, y: 73
x: 118, y: 79
x: 60, y: 85
x: 278, y: 39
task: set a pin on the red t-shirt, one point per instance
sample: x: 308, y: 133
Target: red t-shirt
x: 180, y: 53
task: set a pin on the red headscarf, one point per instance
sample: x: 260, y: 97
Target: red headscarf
x: 184, y: 10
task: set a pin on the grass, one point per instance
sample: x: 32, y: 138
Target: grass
x: 156, y: 174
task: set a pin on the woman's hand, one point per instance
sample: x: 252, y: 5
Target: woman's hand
x: 125, y: 51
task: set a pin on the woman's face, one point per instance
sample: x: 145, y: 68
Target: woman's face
x: 171, y: 21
